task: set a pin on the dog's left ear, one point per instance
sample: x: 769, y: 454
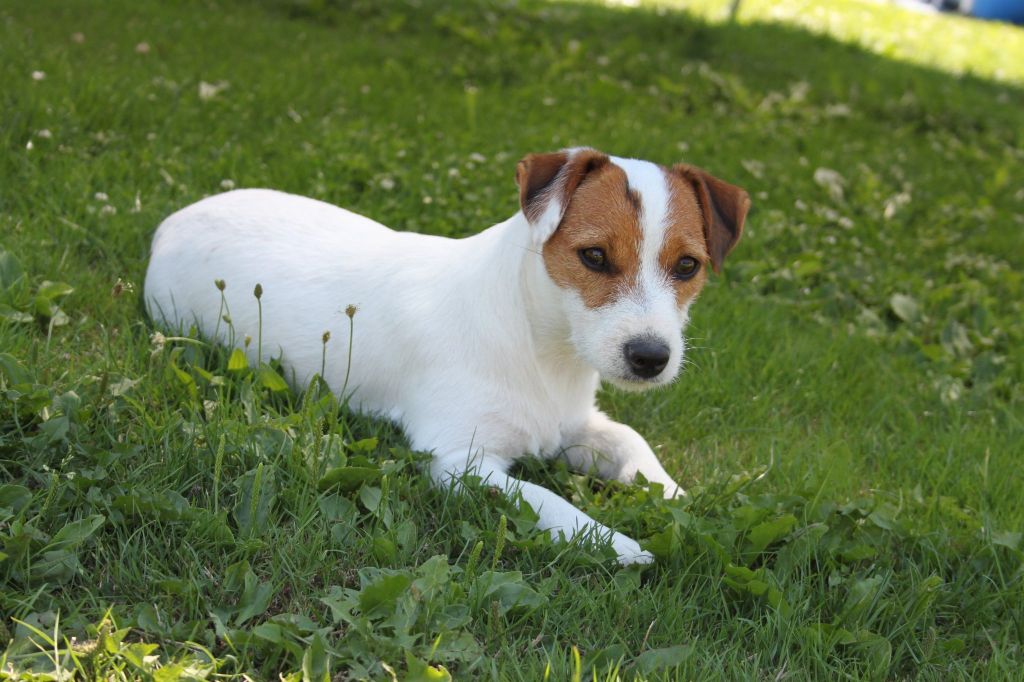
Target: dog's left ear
x: 547, y: 183
x: 724, y: 207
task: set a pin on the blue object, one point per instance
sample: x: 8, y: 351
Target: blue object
x: 1003, y: 10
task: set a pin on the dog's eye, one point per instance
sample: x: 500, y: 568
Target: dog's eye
x: 594, y: 258
x: 686, y: 268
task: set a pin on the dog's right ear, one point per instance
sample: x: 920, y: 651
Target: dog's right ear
x: 547, y: 182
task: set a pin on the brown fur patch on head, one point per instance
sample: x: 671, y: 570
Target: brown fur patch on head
x: 603, y: 213
x: 684, y: 236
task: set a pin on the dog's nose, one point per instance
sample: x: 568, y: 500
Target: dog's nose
x: 646, y: 358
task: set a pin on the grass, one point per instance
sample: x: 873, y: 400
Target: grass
x: 850, y: 427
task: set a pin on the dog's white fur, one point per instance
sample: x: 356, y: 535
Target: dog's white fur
x: 468, y: 344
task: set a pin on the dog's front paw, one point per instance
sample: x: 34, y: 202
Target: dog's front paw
x: 629, y: 552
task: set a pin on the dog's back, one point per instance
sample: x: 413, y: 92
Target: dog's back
x: 311, y: 259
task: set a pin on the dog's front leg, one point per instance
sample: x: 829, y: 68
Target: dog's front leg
x: 615, y: 451
x: 556, y: 515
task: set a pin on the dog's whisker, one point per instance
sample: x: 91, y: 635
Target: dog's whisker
x: 527, y: 248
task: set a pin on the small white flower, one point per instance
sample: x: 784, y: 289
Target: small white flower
x: 387, y: 183
x: 549, y: 101
x: 830, y: 180
x: 38, y: 75
x: 142, y: 48
x: 477, y: 157
x: 838, y: 111
x: 108, y: 210
x: 895, y: 203
x: 798, y: 91
x: 208, y: 91
x: 29, y: 146
x: 227, y: 183
x: 100, y: 196
x: 428, y: 200
x: 44, y: 133
x: 754, y: 167
x: 78, y: 37
x: 453, y: 172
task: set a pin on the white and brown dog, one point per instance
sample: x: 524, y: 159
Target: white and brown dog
x: 483, y: 349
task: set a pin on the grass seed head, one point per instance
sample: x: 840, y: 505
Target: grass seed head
x: 157, y: 342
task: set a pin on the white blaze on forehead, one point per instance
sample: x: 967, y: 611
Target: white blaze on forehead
x: 649, y: 181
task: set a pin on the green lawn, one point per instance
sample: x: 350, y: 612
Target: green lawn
x: 851, y: 425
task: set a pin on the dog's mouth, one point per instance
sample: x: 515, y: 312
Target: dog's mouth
x: 636, y: 384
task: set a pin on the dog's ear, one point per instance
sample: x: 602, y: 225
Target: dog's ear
x: 724, y: 207
x: 547, y: 182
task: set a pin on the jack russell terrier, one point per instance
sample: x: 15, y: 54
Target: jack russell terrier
x: 483, y: 349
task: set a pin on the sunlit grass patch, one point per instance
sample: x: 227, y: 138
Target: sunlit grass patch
x: 950, y: 42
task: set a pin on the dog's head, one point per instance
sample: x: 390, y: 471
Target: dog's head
x: 629, y: 244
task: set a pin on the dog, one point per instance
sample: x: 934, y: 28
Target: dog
x: 483, y: 349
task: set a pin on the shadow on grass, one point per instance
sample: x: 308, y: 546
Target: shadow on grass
x: 480, y: 37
